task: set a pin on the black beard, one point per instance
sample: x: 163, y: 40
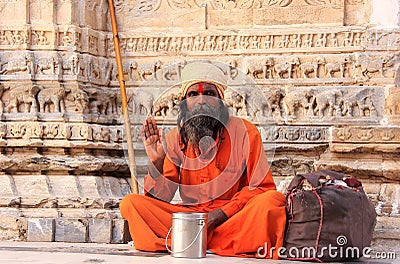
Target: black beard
x: 201, y: 122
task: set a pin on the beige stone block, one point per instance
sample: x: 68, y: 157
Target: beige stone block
x: 7, y: 186
x: 390, y: 192
x: 35, y: 185
x: 41, y: 12
x: 39, y: 212
x: 163, y: 16
x: 71, y: 230
x: 91, y: 186
x: 64, y: 12
x: 100, y: 230
x: 38, y: 202
x: 70, y: 202
x: 10, y: 201
x: 372, y: 190
x: 120, y: 231
x: 13, y: 12
x: 73, y: 213
x: 41, y: 230
x: 10, y: 212
x: 357, y: 13
x: 64, y: 186
x: 282, y: 183
x: 389, y: 200
x: 13, y: 227
x: 387, y: 227
x: 299, y: 14
x: 391, y: 167
x: 230, y: 18
x: 113, y: 187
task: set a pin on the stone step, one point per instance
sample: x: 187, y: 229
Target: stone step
x: 77, y: 230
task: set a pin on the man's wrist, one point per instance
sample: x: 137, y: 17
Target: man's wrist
x: 155, y: 168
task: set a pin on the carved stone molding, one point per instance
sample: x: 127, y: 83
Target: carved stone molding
x: 100, y: 43
x: 300, y: 105
x: 367, y: 135
x: 43, y: 133
x: 346, y: 40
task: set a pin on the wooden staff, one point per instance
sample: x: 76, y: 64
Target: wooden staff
x: 131, y: 154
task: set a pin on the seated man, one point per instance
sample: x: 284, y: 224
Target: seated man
x: 218, y: 164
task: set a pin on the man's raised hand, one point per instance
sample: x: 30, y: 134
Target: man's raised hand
x: 153, y: 138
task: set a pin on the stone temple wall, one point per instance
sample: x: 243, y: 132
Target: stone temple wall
x: 325, y: 94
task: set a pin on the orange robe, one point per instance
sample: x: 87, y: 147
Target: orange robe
x: 233, y: 175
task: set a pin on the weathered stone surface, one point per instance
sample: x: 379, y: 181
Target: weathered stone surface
x: 119, y: 231
x: 41, y: 230
x: 387, y: 227
x: 8, y: 188
x: 389, y: 200
x: 100, y: 230
x: 39, y: 212
x: 64, y: 186
x: 71, y: 230
x: 32, y: 186
x: 13, y: 227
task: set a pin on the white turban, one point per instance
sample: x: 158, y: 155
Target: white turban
x: 197, y: 72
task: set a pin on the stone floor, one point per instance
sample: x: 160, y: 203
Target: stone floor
x: 71, y: 253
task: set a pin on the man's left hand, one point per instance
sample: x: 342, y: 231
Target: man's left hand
x: 216, y: 218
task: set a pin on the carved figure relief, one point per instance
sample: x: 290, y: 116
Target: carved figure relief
x: 79, y: 99
x: 52, y: 96
x: 261, y: 69
x: 44, y: 65
x: 51, y: 131
x: 259, y: 106
x: 137, y: 8
x: 236, y: 101
x: 360, y: 101
x: 149, y: 70
x: 331, y: 68
x: 66, y: 39
x: 25, y: 95
x: 285, y: 69
x: 26, y: 65
x: 166, y: 105
x: 2, y: 89
x: 102, y: 101
x: 141, y: 103
x: 3, y: 38
x: 312, y: 67
x: 129, y: 70
x: 98, y: 71
x: 173, y: 72
x: 71, y: 65
x: 369, y: 66
x: 298, y: 103
x: 326, y: 101
x: 101, y: 133
x: 39, y: 38
x: 18, y: 37
x: 392, y: 104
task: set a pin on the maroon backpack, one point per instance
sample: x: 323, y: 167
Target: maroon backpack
x: 329, y: 218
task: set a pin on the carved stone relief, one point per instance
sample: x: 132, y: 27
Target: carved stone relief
x: 324, y: 105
